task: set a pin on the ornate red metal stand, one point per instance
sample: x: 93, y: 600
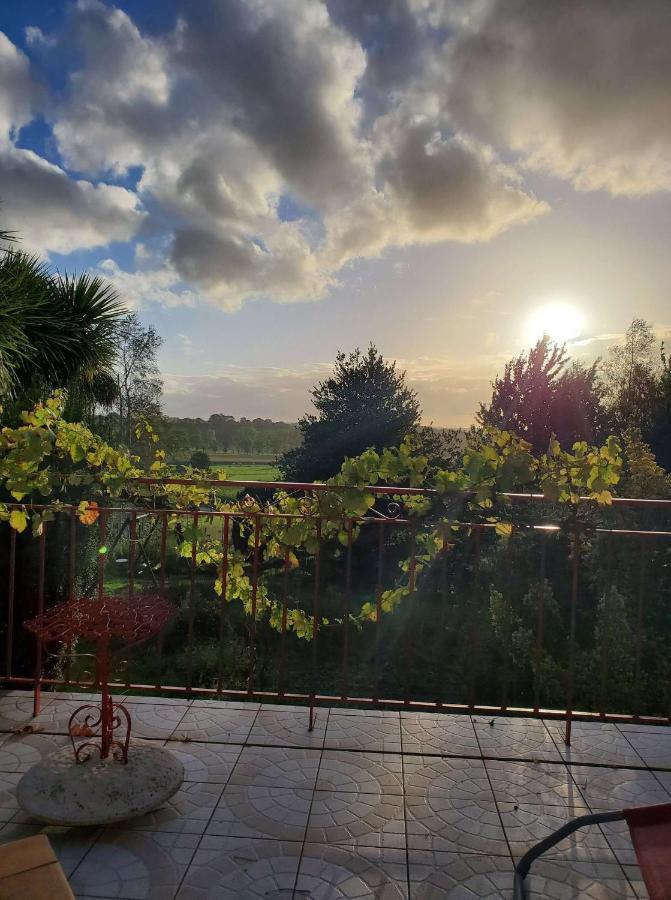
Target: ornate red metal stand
x: 101, y: 621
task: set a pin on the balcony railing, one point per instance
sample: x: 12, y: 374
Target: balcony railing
x: 554, y: 615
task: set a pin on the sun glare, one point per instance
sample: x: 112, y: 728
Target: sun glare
x: 559, y: 321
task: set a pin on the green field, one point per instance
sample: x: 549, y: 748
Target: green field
x: 250, y: 471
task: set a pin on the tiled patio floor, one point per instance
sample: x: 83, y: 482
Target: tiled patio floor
x: 370, y: 804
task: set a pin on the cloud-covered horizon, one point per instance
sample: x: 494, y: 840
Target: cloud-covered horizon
x: 252, y: 148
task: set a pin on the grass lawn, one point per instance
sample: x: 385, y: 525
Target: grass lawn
x: 251, y: 472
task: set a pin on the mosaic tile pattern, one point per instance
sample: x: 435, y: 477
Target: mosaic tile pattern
x: 595, y: 743
x: 352, y: 873
x: 361, y: 773
x: 372, y: 732
x: 212, y: 763
x: 525, y: 825
x: 506, y: 737
x: 440, y: 875
x: 536, y: 783
x: 363, y: 820
x: 371, y: 804
x: 254, y: 811
x: 277, y: 767
x: 288, y: 727
x: 134, y: 865
x: 438, y: 733
x: 578, y: 881
x: 18, y: 752
x: 238, y: 869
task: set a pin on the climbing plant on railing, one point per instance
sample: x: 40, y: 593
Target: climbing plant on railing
x: 47, y: 464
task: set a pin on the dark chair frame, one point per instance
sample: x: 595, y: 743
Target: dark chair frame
x: 523, y: 866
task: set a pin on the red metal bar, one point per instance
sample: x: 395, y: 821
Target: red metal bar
x: 9, y: 645
x: 473, y: 611
x: 252, y: 624
x: 407, y: 640
x: 606, y: 633
x: 191, y: 612
x: 640, y: 600
x: 222, y: 605
x: 443, y: 619
x: 378, y: 607
x: 377, y: 489
x: 37, y: 692
x: 575, y: 563
x: 346, y: 612
x: 132, y: 552
x: 315, y: 623
x: 163, y: 553
x: 508, y: 623
x: 538, y: 653
x: 283, y: 625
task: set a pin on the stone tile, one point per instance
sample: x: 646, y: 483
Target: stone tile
x: 186, y: 812
x: 54, y: 717
x: 527, y: 782
x: 664, y: 779
x: 135, y: 865
x: 440, y: 875
x: 69, y: 844
x: 361, y: 820
x: 16, y: 710
x: 18, y: 752
x: 577, y: 880
x: 525, y: 825
x: 155, y: 720
x: 211, y: 763
x: 467, y: 826
x: 627, y: 727
x: 361, y: 773
x: 438, y: 733
x: 595, y: 743
x: 619, y: 840
x: 456, y: 779
x: 231, y: 868
x: 249, y: 705
x: 350, y: 873
x: 277, y: 767
x: 611, y: 789
x: 508, y: 737
x: 654, y: 748
x: 635, y: 877
x: 354, y: 711
x: 288, y: 727
x: 371, y: 732
x: 8, y: 802
x: 254, y: 811
x: 216, y: 725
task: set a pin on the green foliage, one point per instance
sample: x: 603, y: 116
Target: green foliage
x: 50, y: 458
x: 365, y: 403
x: 541, y: 395
x: 200, y: 460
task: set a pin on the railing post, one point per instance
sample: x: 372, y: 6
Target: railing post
x: 37, y: 692
x: 538, y: 655
x: 315, y: 624
x: 575, y: 562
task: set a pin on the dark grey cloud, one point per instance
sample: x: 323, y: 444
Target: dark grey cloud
x: 579, y: 89
x: 383, y: 123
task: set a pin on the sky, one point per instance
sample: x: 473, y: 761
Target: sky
x: 270, y: 181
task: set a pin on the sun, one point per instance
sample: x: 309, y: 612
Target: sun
x: 561, y: 322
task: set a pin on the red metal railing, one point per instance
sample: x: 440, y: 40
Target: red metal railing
x: 147, y: 535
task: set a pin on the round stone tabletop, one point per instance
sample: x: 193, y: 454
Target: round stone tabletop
x: 60, y: 791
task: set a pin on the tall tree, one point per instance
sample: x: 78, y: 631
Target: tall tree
x: 56, y: 331
x: 542, y: 393
x: 631, y: 379
x: 138, y: 376
x: 364, y: 403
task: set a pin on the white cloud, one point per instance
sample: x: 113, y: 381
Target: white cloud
x: 394, y: 125
x: 144, y: 287
x: 53, y: 212
x: 579, y: 90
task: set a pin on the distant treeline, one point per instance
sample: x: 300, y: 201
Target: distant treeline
x: 230, y: 435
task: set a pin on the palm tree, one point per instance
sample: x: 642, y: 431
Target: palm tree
x: 56, y: 331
